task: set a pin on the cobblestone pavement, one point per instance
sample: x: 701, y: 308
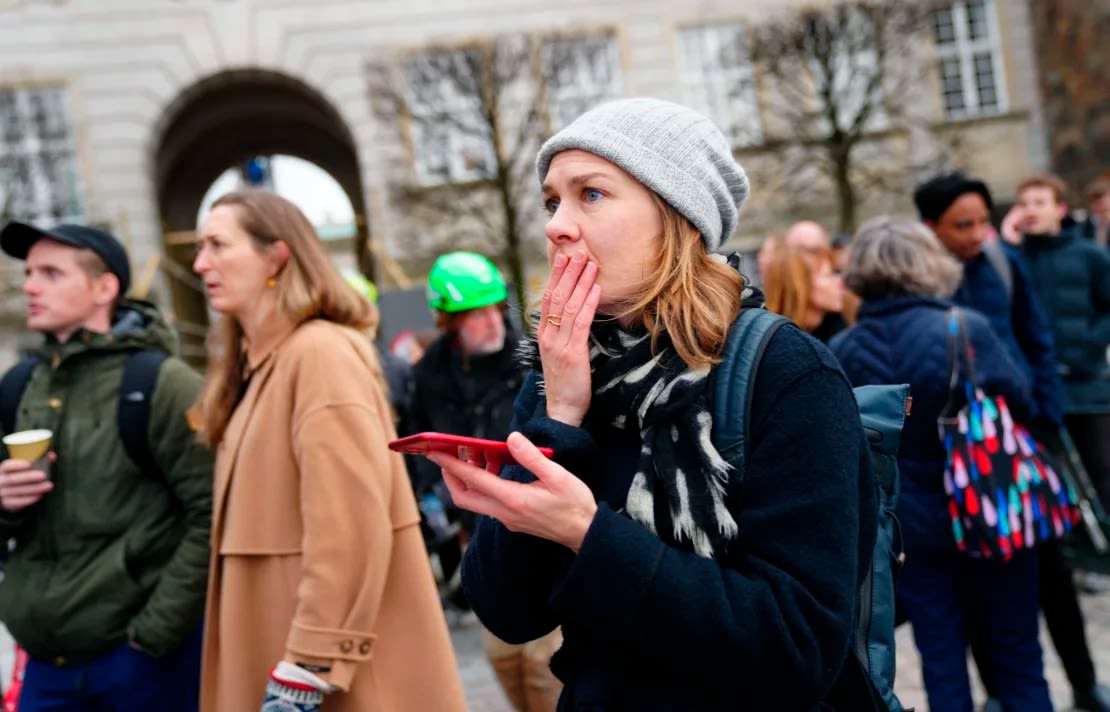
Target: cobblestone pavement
x: 483, y: 694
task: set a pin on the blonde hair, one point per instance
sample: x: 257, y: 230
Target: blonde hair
x: 789, y: 286
x: 691, y: 296
x: 891, y: 257
x: 308, y: 286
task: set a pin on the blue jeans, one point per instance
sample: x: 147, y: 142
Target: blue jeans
x: 122, y: 680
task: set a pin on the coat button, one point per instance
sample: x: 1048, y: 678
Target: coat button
x: 364, y: 648
x: 54, y: 403
x: 347, y: 646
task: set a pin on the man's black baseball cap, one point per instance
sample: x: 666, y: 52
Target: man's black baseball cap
x: 17, y: 237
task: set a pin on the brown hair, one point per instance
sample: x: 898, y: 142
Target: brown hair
x: 309, y: 287
x: 1098, y: 187
x: 692, y: 296
x: 1046, y: 180
x: 790, y: 281
x: 94, y: 267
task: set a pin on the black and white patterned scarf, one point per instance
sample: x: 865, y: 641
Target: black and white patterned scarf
x: 681, y: 477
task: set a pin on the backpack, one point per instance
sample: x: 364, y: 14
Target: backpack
x: 140, y: 374
x: 868, y: 677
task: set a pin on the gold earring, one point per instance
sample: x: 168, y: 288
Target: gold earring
x: 271, y: 282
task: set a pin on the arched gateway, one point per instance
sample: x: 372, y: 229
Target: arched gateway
x: 222, y: 121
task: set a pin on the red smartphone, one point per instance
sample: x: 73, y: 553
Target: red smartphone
x: 460, y: 446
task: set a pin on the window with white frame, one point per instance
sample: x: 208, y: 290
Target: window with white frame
x: 969, y: 58
x: 452, y: 142
x: 580, y: 74
x: 718, y: 80
x: 38, y: 161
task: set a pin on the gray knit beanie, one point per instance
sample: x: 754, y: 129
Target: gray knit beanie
x: 673, y: 150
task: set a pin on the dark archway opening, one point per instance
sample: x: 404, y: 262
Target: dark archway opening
x: 225, y: 120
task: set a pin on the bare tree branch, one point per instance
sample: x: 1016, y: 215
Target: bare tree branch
x: 473, y: 116
x: 841, y: 77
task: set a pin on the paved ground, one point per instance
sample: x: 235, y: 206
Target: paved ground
x: 484, y: 695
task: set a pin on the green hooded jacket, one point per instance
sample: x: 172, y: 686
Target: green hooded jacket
x: 111, y: 552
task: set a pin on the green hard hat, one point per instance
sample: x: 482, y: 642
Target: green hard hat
x: 358, y: 281
x: 460, y: 281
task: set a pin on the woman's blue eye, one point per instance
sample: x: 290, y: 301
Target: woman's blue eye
x: 591, y: 194
x: 551, y: 205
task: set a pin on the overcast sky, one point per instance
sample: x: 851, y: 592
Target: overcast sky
x: 314, y: 191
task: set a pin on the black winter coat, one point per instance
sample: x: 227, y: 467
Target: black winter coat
x: 904, y: 340
x: 1072, y: 277
x: 461, y: 395
x: 652, y: 627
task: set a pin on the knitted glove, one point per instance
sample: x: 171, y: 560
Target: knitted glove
x: 291, y: 697
x: 292, y: 689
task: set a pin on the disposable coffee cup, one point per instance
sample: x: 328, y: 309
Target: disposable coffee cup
x: 32, y: 446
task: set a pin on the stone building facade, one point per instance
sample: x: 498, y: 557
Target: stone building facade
x: 123, y: 112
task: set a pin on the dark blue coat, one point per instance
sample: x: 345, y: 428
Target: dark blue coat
x: 1019, y: 321
x: 650, y: 626
x: 904, y: 340
x: 1072, y: 277
x: 1087, y: 230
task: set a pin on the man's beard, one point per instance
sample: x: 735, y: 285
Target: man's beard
x: 490, y: 342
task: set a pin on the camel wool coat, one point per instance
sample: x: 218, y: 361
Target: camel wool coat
x: 317, y: 555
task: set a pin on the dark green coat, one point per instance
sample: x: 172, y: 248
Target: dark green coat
x: 111, y: 552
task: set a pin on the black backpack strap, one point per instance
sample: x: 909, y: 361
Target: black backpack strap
x: 12, y: 386
x: 136, y: 393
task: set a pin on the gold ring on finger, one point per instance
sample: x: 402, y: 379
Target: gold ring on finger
x: 555, y: 320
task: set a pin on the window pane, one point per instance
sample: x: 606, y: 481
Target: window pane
x: 944, y: 27
x: 451, y: 140
x: 581, y: 74
x: 970, y: 66
x: 984, y: 81
x: 718, y: 80
x: 951, y: 81
x: 10, y: 128
x: 48, y: 113
x: 976, y: 20
x: 38, y: 164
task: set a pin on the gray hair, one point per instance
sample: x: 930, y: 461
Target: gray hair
x: 891, y: 257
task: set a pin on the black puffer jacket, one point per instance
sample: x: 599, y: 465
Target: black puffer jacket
x: 462, y: 395
x: 1072, y: 277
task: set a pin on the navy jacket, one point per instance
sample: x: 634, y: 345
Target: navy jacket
x: 904, y: 340
x: 650, y: 626
x: 1072, y: 277
x: 1087, y: 230
x: 1020, y: 322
